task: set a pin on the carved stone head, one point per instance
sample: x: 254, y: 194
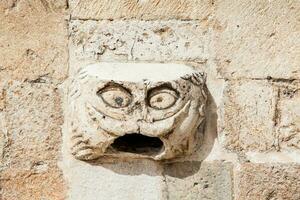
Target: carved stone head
x: 135, y: 110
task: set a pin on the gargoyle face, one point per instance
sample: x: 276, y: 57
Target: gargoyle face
x: 140, y: 117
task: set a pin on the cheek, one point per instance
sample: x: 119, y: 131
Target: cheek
x: 191, y: 122
x: 186, y: 129
x: 192, y: 119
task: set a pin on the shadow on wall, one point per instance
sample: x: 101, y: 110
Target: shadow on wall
x: 179, y: 168
x: 192, y: 164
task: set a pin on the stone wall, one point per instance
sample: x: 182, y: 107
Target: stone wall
x: 250, y: 51
x: 34, y: 62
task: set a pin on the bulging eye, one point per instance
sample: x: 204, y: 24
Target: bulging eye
x: 162, y: 98
x: 115, y: 97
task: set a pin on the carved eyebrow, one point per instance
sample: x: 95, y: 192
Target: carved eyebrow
x: 112, y: 84
x: 162, y: 85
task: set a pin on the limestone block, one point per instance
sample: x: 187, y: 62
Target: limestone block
x: 257, y: 39
x: 288, y: 122
x: 152, y: 112
x: 140, y: 179
x: 93, y: 41
x: 267, y: 181
x: 33, y: 40
x: 38, y: 183
x: 33, y: 6
x: 247, y: 119
x: 141, y: 9
x: 33, y: 119
x: 196, y: 180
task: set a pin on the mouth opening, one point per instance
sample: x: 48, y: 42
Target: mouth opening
x: 138, y: 144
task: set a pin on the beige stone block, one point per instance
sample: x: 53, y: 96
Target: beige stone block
x: 257, y: 39
x: 141, y: 9
x: 33, y: 118
x: 33, y: 184
x: 288, y: 121
x: 33, y: 40
x: 196, y: 180
x: 93, y: 41
x: 247, y: 119
x: 267, y: 181
x: 32, y: 6
x: 136, y: 180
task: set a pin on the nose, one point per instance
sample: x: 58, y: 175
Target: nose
x: 141, y: 103
x: 141, y: 111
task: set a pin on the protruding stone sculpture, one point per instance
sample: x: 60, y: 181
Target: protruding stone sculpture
x: 135, y: 110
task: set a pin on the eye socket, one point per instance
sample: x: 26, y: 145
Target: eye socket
x: 116, y: 97
x: 162, y: 98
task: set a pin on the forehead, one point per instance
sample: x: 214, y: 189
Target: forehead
x: 137, y: 72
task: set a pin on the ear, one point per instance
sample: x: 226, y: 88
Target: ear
x: 197, y: 78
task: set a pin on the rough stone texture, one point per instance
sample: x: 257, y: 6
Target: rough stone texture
x: 140, y: 179
x: 33, y: 40
x: 137, y: 41
x: 288, y: 116
x: 141, y: 9
x: 260, y: 115
x: 33, y: 52
x: 33, y: 119
x: 3, y: 129
x: 32, y: 184
x: 247, y: 120
x: 257, y: 39
x: 196, y: 180
x: 268, y: 182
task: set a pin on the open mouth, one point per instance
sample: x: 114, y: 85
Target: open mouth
x: 138, y: 144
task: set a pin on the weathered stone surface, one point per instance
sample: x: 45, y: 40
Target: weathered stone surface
x: 137, y: 41
x: 140, y: 179
x: 288, y: 116
x: 257, y: 39
x: 33, y: 40
x: 247, y: 120
x: 38, y: 183
x: 3, y: 128
x: 195, y: 180
x: 32, y: 6
x: 33, y: 49
x: 268, y: 181
x: 2, y: 140
x: 141, y: 9
x: 33, y: 119
x: 33, y: 115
